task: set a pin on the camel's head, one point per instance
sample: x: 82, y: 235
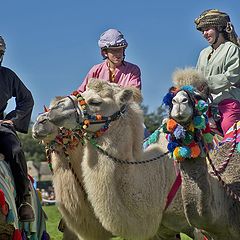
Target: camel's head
x: 184, y: 104
x: 182, y: 107
x: 101, y: 102
x: 43, y: 129
x: 189, y: 88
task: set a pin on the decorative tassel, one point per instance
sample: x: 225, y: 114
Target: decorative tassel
x: 188, y: 88
x: 45, y: 236
x: 195, y: 151
x: 176, y: 154
x: 199, y: 122
x: 179, y: 132
x: 2, y: 198
x: 10, y: 216
x: 17, y: 235
x: 208, y: 137
x: 171, y: 125
x: 167, y: 100
x: 24, y: 236
x: 185, y: 152
x: 154, y: 137
x: 172, y: 145
x: 188, y: 138
x: 33, y: 236
x: 3, y: 203
x: 201, y: 106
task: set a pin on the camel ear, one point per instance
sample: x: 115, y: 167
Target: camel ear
x: 137, y: 96
x: 124, y: 96
x: 45, y: 108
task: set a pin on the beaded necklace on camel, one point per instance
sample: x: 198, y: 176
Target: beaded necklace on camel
x: 188, y: 141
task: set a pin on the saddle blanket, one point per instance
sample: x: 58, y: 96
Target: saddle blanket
x: 229, y: 136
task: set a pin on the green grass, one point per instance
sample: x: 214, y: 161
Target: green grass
x: 54, y: 218
x: 52, y: 222
x: 183, y: 237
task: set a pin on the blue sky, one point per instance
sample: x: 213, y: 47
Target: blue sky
x: 52, y: 44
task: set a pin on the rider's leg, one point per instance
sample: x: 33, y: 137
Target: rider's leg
x: 10, y: 146
x: 230, y: 113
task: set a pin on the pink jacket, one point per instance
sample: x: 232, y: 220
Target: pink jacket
x: 127, y: 74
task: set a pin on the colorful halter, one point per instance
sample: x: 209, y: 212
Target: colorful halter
x: 95, y: 119
x: 195, y: 138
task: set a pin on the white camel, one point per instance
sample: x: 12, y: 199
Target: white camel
x: 208, y: 205
x: 128, y: 199
x: 70, y: 195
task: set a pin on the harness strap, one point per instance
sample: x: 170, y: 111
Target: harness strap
x: 176, y: 185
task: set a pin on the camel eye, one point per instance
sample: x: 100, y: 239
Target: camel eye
x: 185, y: 100
x: 174, y: 100
x: 94, y: 102
x: 43, y: 121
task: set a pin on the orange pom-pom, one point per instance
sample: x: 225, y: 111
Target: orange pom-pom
x: 86, y: 122
x: 174, y: 90
x: 171, y: 125
x: 82, y: 102
x: 195, y: 151
x: 98, y: 117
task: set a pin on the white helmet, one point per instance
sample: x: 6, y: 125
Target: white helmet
x: 112, y: 38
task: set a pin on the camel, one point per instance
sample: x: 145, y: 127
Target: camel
x: 128, y: 199
x: 207, y: 203
x: 71, y: 198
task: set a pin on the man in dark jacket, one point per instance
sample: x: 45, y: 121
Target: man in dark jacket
x: 16, y: 120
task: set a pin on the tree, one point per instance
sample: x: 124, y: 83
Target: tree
x: 33, y: 150
x: 154, y: 119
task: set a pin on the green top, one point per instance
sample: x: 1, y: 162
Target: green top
x: 222, y: 71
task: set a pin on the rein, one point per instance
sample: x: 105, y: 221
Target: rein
x: 117, y: 160
x: 93, y: 119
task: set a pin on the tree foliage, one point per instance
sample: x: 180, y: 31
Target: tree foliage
x: 154, y: 119
x: 34, y: 151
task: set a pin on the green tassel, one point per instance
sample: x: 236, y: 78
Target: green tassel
x: 154, y: 137
x: 208, y: 137
x: 33, y: 236
x: 10, y: 216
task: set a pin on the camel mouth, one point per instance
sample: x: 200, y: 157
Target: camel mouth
x: 38, y: 136
x: 180, y: 118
